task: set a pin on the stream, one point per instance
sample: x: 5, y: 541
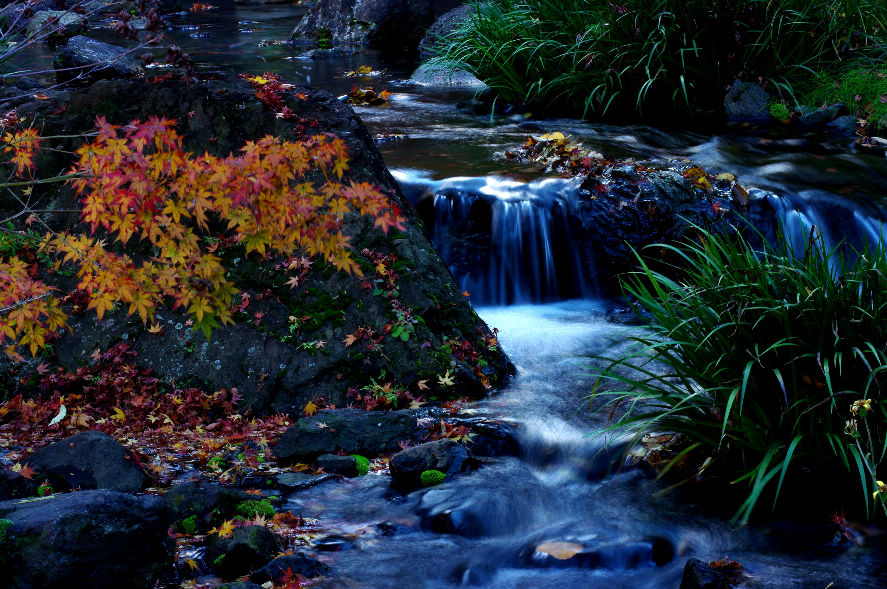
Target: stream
x: 482, y: 529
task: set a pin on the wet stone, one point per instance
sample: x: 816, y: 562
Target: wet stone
x: 299, y: 563
x: 299, y: 481
x: 699, y: 575
x: 343, y: 465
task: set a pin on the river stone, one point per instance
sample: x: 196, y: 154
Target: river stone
x: 67, y: 24
x: 299, y: 563
x: 93, y: 60
x: 822, y: 116
x: 271, y: 370
x: 333, y: 463
x: 240, y: 584
x: 389, y: 25
x: 444, y: 26
x: 15, y: 486
x: 436, y: 75
x: 368, y: 433
x: 204, y: 500
x: 747, y: 101
x: 845, y: 125
x: 89, y: 460
x: 86, y: 539
x: 609, y: 555
x: 699, y: 575
x: 447, y: 456
x: 299, y: 481
x: 248, y: 548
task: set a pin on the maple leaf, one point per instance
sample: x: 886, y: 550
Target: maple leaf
x: 293, y: 282
x: 349, y: 339
x: 322, y: 425
x: 423, y: 384
x: 26, y: 471
x: 119, y: 415
x: 446, y: 380
x: 310, y: 408
x: 96, y: 355
x: 193, y: 564
x: 155, y: 329
x: 226, y: 530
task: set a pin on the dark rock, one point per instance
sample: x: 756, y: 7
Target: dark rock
x: 56, y: 25
x: 248, y: 548
x: 443, y: 26
x: 332, y: 543
x: 15, y: 486
x: 845, y: 125
x: 747, y: 101
x: 87, y: 60
x: 389, y: 25
x: 203, y: 499
x: 299, y: 481
x: 490, y: 437
x: 822, y: 116
x: 270, y: 370
x: 333, y: 52
x: 343, y: 465
x: 434, y: 75
x: 368, y: 433
x: 300, y: 564
x: 698, y: 575
x: 86, y: 539
x: 89, y: 460
x: 447, y: 456
x: 240, y: 584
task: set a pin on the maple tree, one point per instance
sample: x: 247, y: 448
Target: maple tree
x: 138, y: 185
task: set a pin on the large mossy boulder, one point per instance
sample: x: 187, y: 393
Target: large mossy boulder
x: 86, y: 539
x: 82, y: 58
x: 288, y: 346
x: 389, y: 25
x: 89, y: 460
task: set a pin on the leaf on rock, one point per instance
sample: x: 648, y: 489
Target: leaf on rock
x: 560, y: 550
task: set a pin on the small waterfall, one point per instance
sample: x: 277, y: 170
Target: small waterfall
x: 505, y: 241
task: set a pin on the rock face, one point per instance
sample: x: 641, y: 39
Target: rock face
x: 391, y: 25
x: 273, y: 367
x: 447, y: 456
x: 299, y: 563
x: 443, y: 26
x: 202, y: 499
x: 57, y: 25
x: 90, y: 460
x: 86, y: 539
x: 368, y: 433
x: 746, y: 101
x: 82, y: 58
x: 248, y: 548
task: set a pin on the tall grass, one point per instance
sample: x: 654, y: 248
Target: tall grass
x: 657, y: 56
x: 772, y: 361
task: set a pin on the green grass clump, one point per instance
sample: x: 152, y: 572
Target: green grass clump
x: 432, y: 477
x: 362, y: 463
x: 770, y: 361
x: 4, y: 526
x: 779, y: 111
x: 656, y: 57
x: 252, y: 508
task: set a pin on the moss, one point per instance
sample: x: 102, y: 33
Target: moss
x: 779, y: 111
x: 4, y: 526
x: 362, y: 463
x: 324, y: 38
x: 432, y: 477
x: 188, y: 525
x: 219, y: 560
x: 251, y: 508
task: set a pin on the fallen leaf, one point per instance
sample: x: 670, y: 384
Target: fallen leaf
x: 560, y: 550
x: 446, y: 380
x: 119, y: 415
x: 310, y: 408
x: 60, y: 416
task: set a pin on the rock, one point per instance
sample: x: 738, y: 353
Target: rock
x: 746, y: 101
x: 698, y: 575
x: 388, y: 25
x: 434, y: 75
x: 343, y: 465
x: 15, y: 486
x: 89, y: 460
x: 300, y: 564
x: 447, y: 456
x: 57, y: 25
x: 822, y: 116
x: 272, y: 370
x: 623, y: 555
x: 443, y: 26
x: 845, y: 125
x: 299, y: 481
x: 490, y: 437
x: 240, y: 584
x: 332, y: 543
x: 333, y: 52
x: 248, y: 548
x: 85, y: 59
x: 86, y: 539
x: 203, y: 500
x: 368, y: 433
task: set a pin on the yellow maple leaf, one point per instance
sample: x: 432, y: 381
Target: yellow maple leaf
x: 310, y: 408
x: 226, y: 529
x: 119, y: 415
x: 446, y: 380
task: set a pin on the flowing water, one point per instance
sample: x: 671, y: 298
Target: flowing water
x: 483, y: 529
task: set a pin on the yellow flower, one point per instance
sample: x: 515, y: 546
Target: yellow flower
x: 861, y: 404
